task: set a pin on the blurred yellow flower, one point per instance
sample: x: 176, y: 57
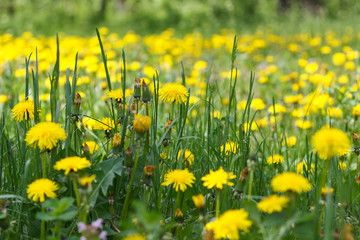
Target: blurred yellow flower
x: 301, y: 165
x: 273, y: 203
x: 288, y: 181
x: 275, y: 159
x: 72, y: 164
x: 199, y: 201
x: 229, y: 147
x: 338, y: 59
x: 188, y: 156
x: 290, y: 141
x: 141, y: 123
x: 228, y: 225
x: 90, y: 146
x: 330, y: 142
x: 218, y: 179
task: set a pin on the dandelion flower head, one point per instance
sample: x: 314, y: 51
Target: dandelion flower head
x: 188, y: 156
x: 173, y: 93
x: 40, y: 188
x: 229, y: 147
x: 45, y: 135
x: 288, y: 181
x: 141, y: 123
x: 23, y: 110
x: 72, y: 164
x: 228, y: 225
x: 273, y: 203
x: 330, y: 142
x: 91, y: 146
x: 218, y: 179
x: 275, y: 159
x: 180, y: 178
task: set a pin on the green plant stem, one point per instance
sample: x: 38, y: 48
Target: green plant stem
x: 250, y: 183
x: 43, y: 165
x: 217, y: 211
x: 42, y: 236
x: 76, y: 192
x: 128, y: 192
x: 172, y: 111
x: 178, y: 195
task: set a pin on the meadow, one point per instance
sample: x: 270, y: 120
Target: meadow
x: 227, y: 136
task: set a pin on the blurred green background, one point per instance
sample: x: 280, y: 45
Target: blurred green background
x: 81, y: 17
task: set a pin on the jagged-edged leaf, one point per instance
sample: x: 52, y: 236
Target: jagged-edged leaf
x: 109, y: 168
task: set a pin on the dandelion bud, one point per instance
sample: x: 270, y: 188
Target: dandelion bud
x: 243, y: 175
x: 141, y: 123
x: 167, y: 130
x: 116, y: 140
x: 146, y: 94
x: 355, y: 137
x: 77, y: 100
x: 137, y: 89
x: 178, y: 213
x: 149, y: 170
x: 129, y: 158
x: 133, y: 108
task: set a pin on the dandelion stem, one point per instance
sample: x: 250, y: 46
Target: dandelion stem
x: 250, y: 183
x: 128, y: 192
x: 172, y: 111
x: 217, y: 211
x: 76, y: 192
x: 42, y: 236
x: 43, y: 165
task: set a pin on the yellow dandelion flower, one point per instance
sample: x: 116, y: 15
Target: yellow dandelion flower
x: 188, y: 156
x: 290, y: 141
x: 342, y: 166
x: 229, y: 147
x: 303, y: 124
x: 40, y: 188
x: 116, y: 141
x: 72, y: 164
x: 173, y: 92
x: 218, y: 179
x: 134, y: 237
x: 106, y: 124
x: 118, y: 94
x: 3, y: 98
x: 273, y: 203
x: 356, y: 110
x: 45, y: 135
x: 301, y: 165
x: 330, y: 142
x: 275, y: 159
x: 288, y: 181
x: 338, y: 59
x: 86, y: 180
x: 278, y: 109
x: 141, y: 123
x: 180, y: 178
x: 23, y: 110
x: 326, y: 190
x: 199, y: 201
x: 91, y: 146
x: 228, y: 225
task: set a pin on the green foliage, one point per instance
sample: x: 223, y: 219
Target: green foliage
x: 62, y: 210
